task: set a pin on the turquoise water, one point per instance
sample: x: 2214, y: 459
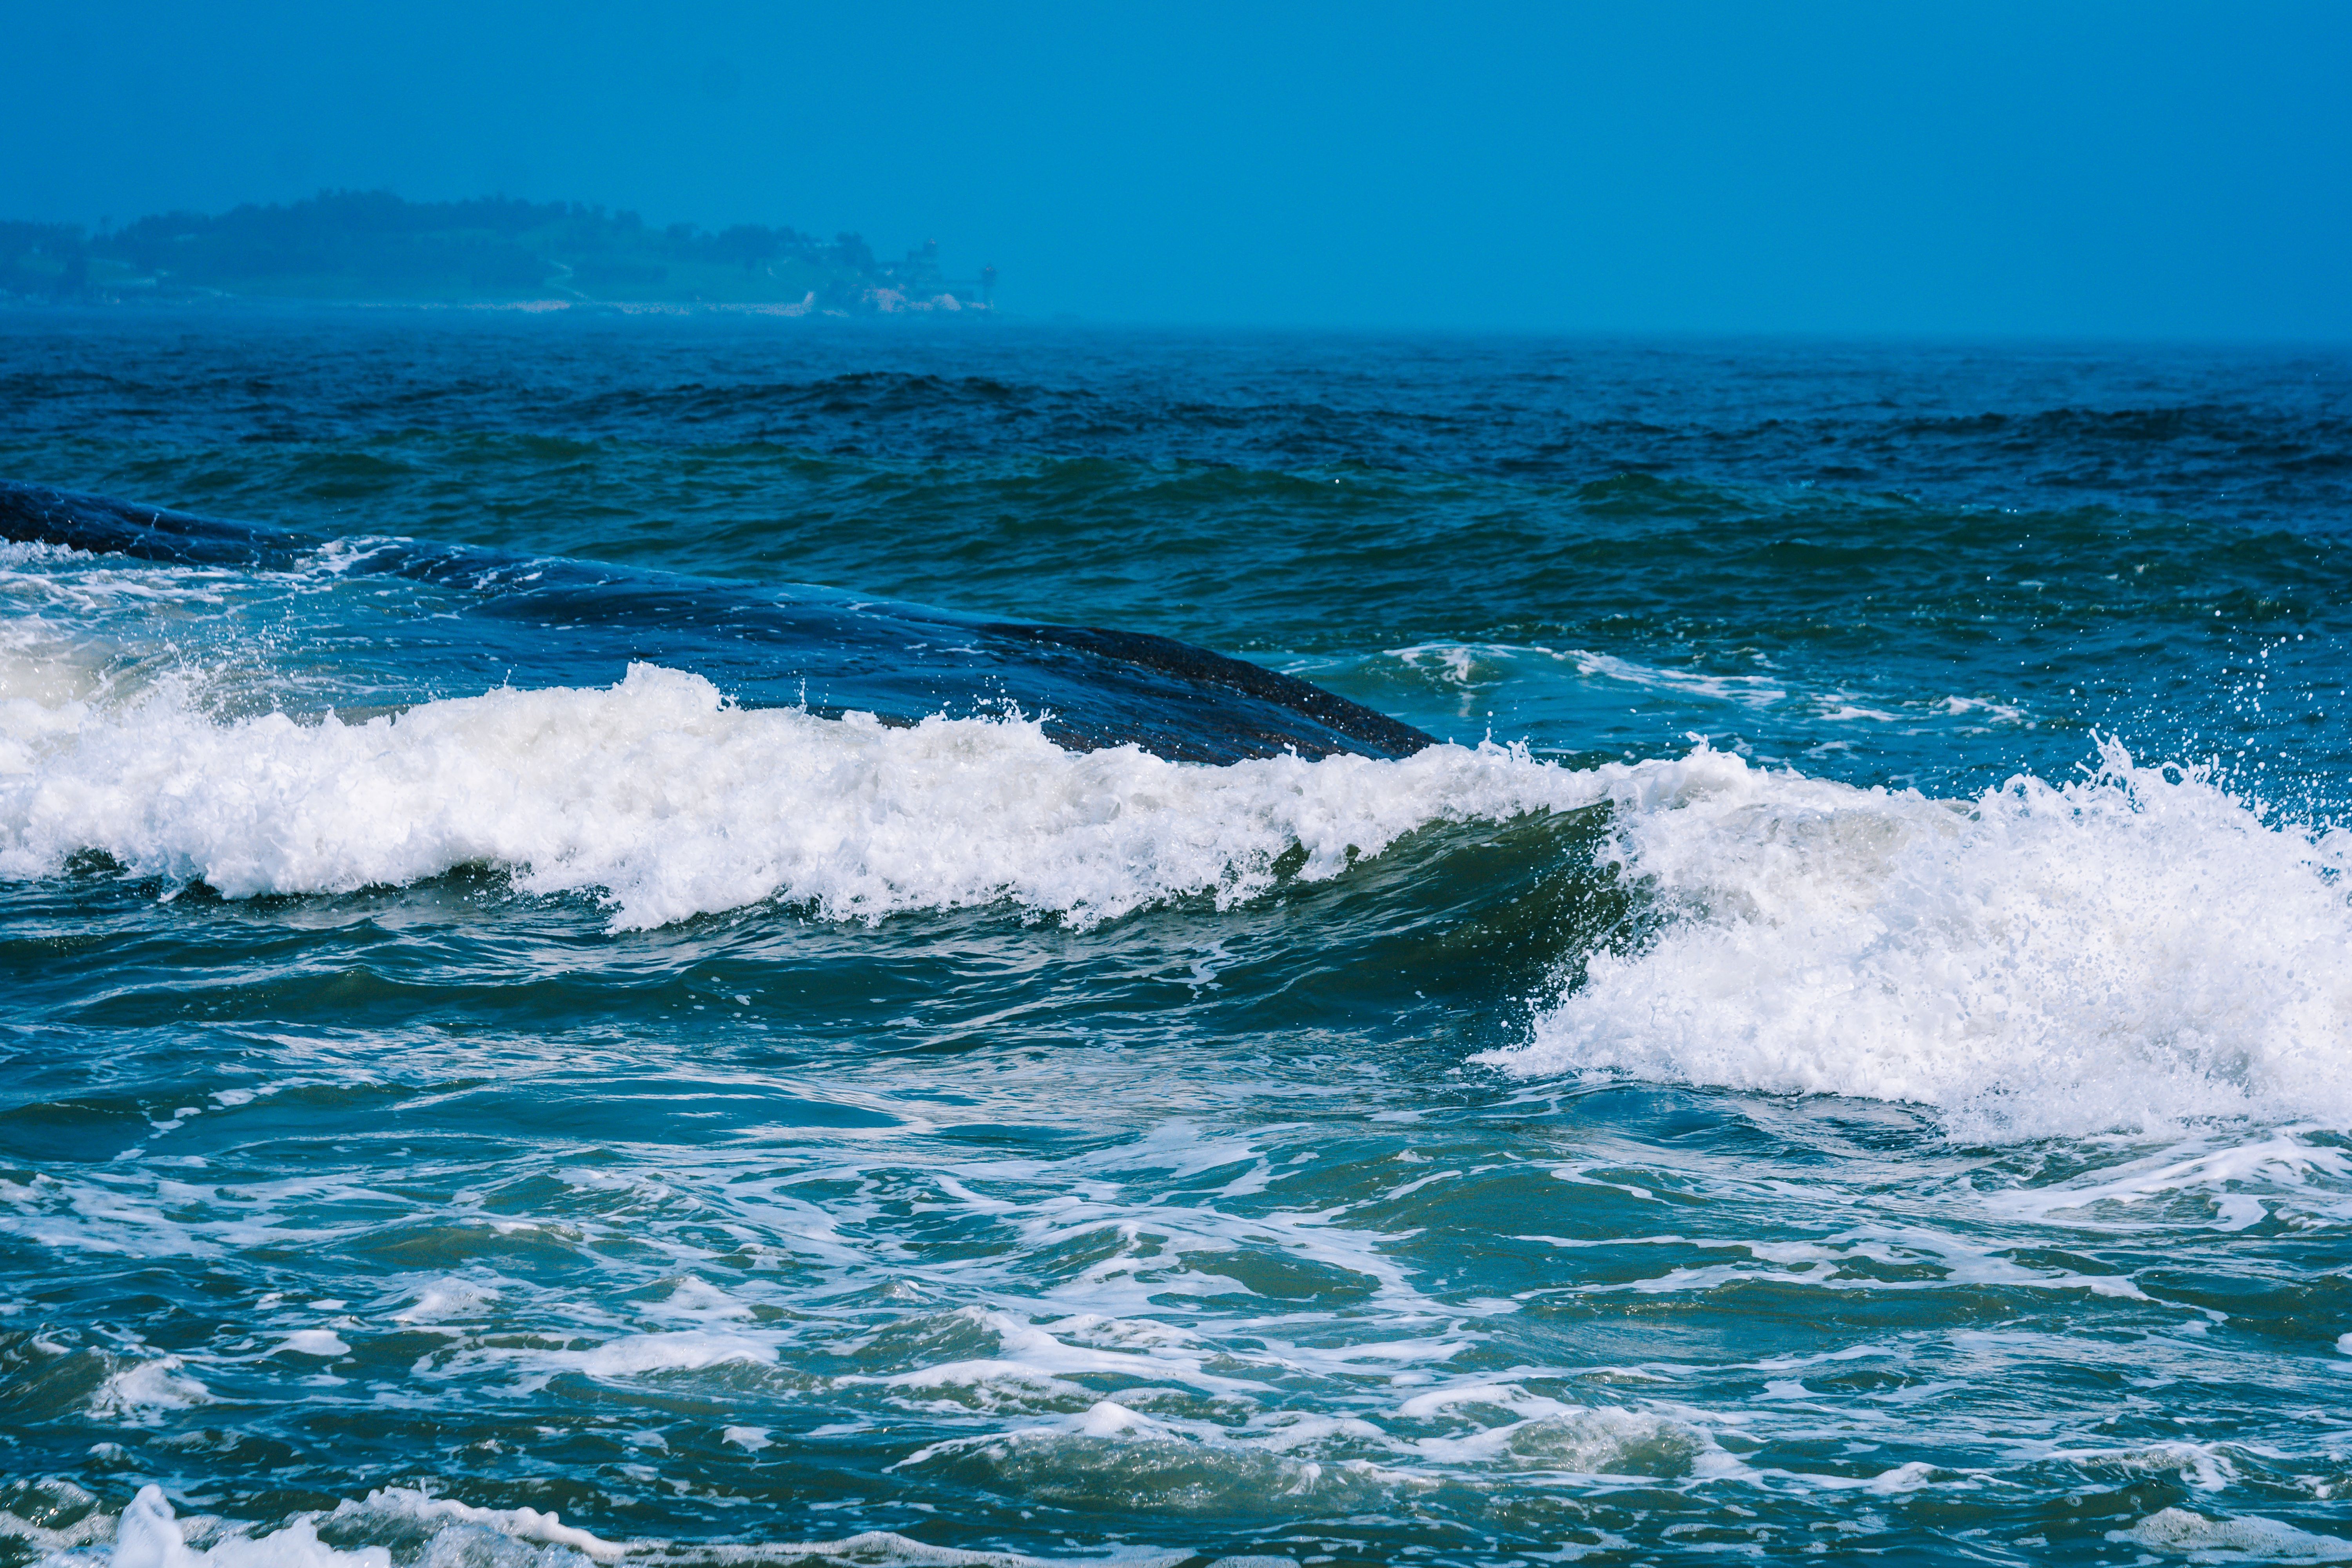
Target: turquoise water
x: 1845, y: 1047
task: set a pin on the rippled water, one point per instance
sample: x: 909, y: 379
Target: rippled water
x: 1847, y: 1048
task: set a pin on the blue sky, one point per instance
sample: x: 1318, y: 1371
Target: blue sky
x: 2149, y: 170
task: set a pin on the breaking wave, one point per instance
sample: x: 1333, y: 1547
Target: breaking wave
x: 2130, y: 951
x: 664, y: 799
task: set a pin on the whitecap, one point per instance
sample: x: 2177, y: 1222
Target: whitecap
x: 2137, y: 950
x: 658, y: 797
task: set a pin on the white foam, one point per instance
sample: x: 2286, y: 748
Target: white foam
x: 1109, y: 1452
x: 136, y: 1393
x: 2251, y: 1539
x: 688, y: 1350
x: 623, y: 1357
x: 2231, y: 1182
x: 1550, y: 1435
x: 884, y: 1546
x: 444, y: 1299
x: 1470, y: 665
x: 149, y: 1536
x: 315, y: 1341
x: 521, y: 1523
x: 2134, y: 951
x: 664, y: 799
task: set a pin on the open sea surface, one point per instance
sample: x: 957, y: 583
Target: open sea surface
x: 1844, y: 1047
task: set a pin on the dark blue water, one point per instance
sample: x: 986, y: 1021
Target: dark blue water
x: 1845, y: 1045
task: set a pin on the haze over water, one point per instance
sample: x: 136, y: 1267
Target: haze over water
x: 1843, y: 1045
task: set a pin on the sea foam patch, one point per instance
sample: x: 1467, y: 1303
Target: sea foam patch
x: 2130, y: 951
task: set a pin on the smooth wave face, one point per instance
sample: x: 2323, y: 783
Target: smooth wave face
x: 530, y: 616
x: 1841, y: 1042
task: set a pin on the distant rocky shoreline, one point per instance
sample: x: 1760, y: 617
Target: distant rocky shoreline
x: 374, y: 248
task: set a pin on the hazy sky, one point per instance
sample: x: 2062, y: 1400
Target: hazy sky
x: 2143, y: 169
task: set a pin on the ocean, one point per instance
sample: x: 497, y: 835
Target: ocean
x: 594, y: 981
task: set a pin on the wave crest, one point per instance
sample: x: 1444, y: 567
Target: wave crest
x: 664, y: 799
x: 2129, y: 951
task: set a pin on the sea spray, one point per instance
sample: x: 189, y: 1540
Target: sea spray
x: 2131, y: 950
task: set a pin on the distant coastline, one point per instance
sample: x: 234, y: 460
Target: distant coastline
x: 372, y: 247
